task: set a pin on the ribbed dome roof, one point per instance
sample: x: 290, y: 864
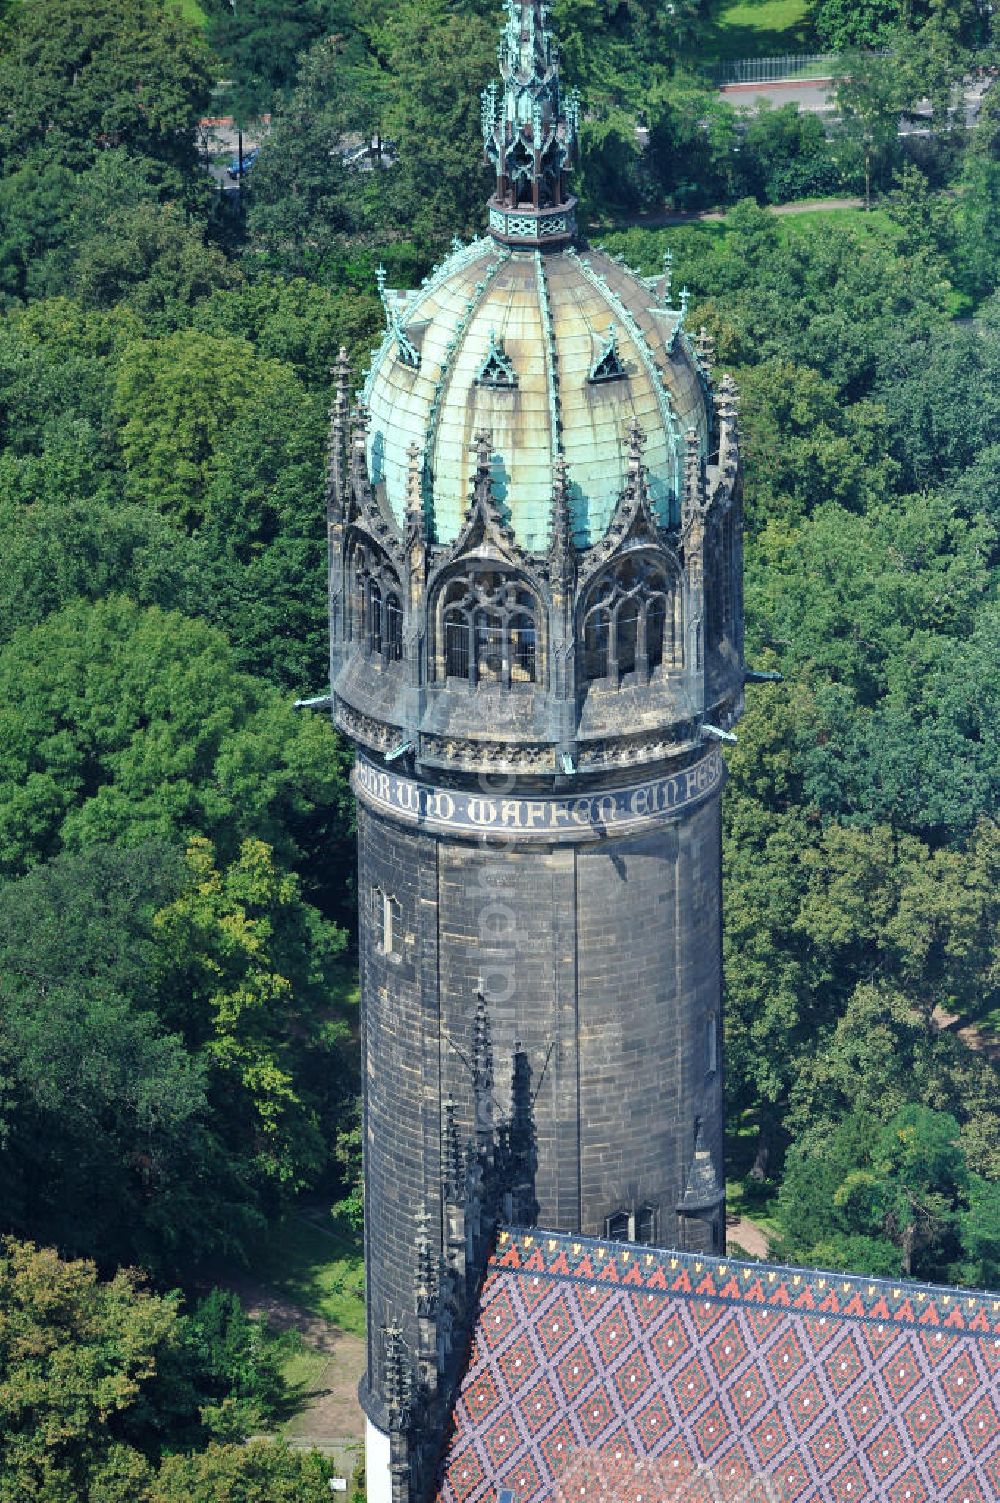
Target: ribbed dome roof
x: 547, y: 350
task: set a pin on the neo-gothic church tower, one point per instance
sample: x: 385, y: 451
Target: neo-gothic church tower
x: 536, y: 627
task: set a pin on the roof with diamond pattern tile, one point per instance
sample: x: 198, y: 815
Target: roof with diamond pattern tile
x: 608, y: 1371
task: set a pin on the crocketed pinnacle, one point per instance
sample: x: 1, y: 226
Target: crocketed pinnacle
x: 561, y: 549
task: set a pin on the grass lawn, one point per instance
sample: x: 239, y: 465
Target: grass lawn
x: 318, y: 1268
x: 758, y: 28
x: 190, y: 10
x: 303, y: 1371
x: 643, y: 246
x: 875, y: 221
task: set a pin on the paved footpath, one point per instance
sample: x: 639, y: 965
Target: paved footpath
x: 670, y: 217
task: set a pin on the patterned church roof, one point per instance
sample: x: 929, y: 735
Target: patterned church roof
x: 549, y: 353
x: 601, y: 1370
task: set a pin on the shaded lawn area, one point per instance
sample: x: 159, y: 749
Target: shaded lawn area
x: 319, y: 1269
x: 744, y: 1196
x: 758, y: 28
x: 643, y: 246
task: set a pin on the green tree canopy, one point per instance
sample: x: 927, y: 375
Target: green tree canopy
x: 100, y: 1377
x: 80, y: 76
x: 261, y: 1472
x: 120, y: 723
x: 172, y: 1053
x: 175, y: 399
x: 75, y: 1354
x: 894, y: 1197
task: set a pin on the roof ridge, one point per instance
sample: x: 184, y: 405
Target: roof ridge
x: 902, y: 1301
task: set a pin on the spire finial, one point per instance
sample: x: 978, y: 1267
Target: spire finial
x: 359, y: 440
x: 727, y: 401
x: 397, y: 1376
x: 482, y: 1078
x: 482, y: 1046
x: 530, y: 132
x: 704, y: 348
x: 668, y: 276
x: 425, y: 1270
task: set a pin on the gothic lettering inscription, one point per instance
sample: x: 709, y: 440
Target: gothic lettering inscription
x: 588, y: 816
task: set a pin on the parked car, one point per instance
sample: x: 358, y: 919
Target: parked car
x: 249, y: 157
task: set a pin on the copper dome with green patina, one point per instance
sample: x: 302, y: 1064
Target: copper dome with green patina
x: 550, y: 347
x: 551, y: 352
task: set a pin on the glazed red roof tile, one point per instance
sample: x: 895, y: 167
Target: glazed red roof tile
x: 604, y: 1371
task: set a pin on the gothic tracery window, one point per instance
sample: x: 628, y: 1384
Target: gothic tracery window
x: 489, y: 629
x: 375, y: 615
x: 632, y: 621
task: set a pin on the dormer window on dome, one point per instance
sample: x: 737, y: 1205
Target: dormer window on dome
x: 496, y: 368
x: 607, y: 363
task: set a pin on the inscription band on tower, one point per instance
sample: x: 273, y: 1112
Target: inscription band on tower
x: 616, y: 811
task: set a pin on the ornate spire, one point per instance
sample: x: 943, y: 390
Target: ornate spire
x: 482, y: 1046
x: 694, y: 474
x: 482, y: 1077
x: 482, y: 480
x: 636, y: 447
x: 523, y: 1150
x: 727, y: 406
x: 452, y: 1167
x: 425, y: 1284
x: 416, y: 523
x: 727, y: 401
x: 529, y: 132
x: 359, y: 439
x: 704, y: 349
x: 398, y: 1378
x: 336, y: 486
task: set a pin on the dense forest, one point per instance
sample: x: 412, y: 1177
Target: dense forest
x: 177, y: 1068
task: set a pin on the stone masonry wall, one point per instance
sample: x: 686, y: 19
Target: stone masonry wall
x: 603, y: 959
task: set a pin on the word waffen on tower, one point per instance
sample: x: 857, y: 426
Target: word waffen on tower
x: 536, y: 629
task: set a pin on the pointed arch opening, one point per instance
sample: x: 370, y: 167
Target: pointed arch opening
x: 630, y: 621
x: 489, y: 628
x: 373, y: 616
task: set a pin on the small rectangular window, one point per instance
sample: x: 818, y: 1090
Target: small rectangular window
x: 618, y: 1228
x: 645, y: 1225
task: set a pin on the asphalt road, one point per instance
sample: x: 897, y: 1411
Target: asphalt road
x: 818, y: 96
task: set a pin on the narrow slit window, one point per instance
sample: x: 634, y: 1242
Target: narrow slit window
x: 393, y: 629
x: 711, y: 1045
x: 387, y: 922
